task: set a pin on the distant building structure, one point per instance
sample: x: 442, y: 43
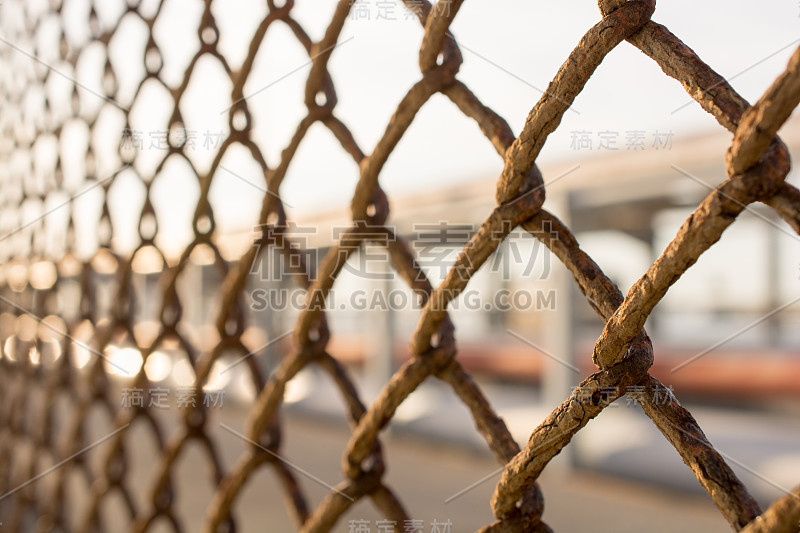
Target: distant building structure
x: 522, y: 312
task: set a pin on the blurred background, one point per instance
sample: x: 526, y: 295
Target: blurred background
x: 91, y: 181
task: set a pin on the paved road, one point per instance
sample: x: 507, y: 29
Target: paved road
x: 425, y: 475
x: 761, y: 445
x: 434, y: 452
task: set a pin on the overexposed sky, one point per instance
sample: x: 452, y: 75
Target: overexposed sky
x: 511, y: 50
x: 501, y: 42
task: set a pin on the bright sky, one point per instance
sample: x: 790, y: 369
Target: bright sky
x: 511, y: 50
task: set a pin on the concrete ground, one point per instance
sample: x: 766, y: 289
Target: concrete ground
x: 423, y: 473
x: 633, y: 480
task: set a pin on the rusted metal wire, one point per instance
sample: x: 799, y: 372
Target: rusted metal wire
x: 757, y: 164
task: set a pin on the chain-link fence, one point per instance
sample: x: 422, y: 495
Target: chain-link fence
x: 63, y: 310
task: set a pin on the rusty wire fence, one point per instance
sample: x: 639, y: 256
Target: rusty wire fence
x: 54, y: 312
